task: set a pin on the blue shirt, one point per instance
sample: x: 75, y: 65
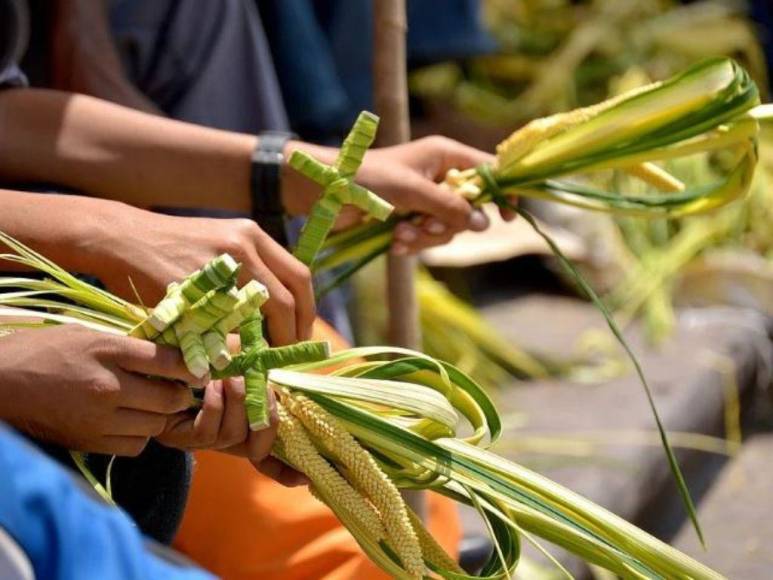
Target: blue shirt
x: 66, y: 533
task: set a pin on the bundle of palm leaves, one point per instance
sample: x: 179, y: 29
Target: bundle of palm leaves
x: 711, y: 107
x: 369, y: 428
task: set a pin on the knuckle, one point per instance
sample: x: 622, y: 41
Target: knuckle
x: 231, y: 436
x: 246, y: 227
x: 212, y: 406
x: 207, y: 439
x: 172, y: 399
x: 241, y: 233
x: 436, y: 140
x: 158, y: 428
x: 303, y: 275
x: 105, y: 386
x: 283, y: 301
x: 237, y: 394
x: 107, y: 346
x: 134, y: 447
x: 168, y: 359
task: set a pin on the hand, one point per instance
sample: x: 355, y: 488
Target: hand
x: 408, y: 176
x: 153, y: 250
x: 221, y: 424
x: 90, y: 391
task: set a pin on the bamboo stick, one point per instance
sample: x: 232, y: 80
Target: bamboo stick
x: 390, y: 94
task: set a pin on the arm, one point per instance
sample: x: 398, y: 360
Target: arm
x: 128, y: 248
x: 104, y: 149
x: 116, y: 242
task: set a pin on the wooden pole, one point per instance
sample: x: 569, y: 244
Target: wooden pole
x: 390, y: 95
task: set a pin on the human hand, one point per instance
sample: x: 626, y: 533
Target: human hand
x: 408, y: 176
x: 221, y: 424
x: 153, y: 250
x: 90, y: 391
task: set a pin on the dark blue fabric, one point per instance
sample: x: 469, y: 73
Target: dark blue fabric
x: 66, y: 533
x: 11, y: 76
x: 762, y: 13
x: 323, y: 53
x: 13, y: 35
x: 201, y: 61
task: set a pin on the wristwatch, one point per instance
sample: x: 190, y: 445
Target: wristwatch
x: 265, y: 183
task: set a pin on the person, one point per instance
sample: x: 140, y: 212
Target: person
x: 90, y: 392
x: 98, y: 148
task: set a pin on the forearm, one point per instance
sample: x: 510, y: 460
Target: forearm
x: 67, y: 229
x: 104, y: 149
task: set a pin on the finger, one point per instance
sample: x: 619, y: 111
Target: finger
x: 198, y: 430
x: 206, y: 425
x: 280, y: 472
x: 233, y: 428
x: 297, y: 278
x: 178, y: 430
x: 137, y: 423
x: 120, y: 445
x: 425, y: 196
x: 412, y: 239
x: 507, y: 214
x: 260, y: 442
x: 456, y: 155
x: 152, y: 395
x: 478, y: 221
x: 279, y: 309
x: 146, y: 358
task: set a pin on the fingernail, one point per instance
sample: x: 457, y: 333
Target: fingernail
x: 436, y: 228
x: 202, y: 382
x: 399, y: 250
x: 406, y: 235
x: 478, y: 221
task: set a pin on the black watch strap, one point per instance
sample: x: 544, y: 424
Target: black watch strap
x: 265, y: 183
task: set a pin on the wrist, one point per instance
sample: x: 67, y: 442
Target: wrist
x: 67, y: 229
x: 103, y: 240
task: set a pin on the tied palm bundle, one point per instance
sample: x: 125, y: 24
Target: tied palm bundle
x: 710, y: 107
x: 363, y: 431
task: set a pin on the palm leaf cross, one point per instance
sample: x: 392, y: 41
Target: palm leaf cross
x: 339, y: 188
